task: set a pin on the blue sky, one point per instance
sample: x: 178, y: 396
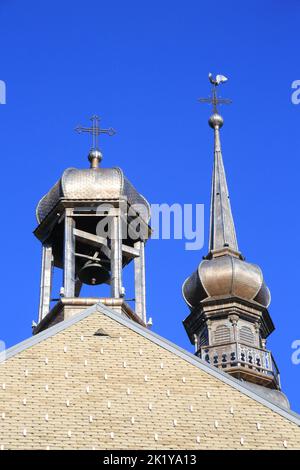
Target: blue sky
x: 142, y: 66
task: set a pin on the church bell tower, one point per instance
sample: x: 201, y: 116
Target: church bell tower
x: 228, y: 299
x: 92, y: 223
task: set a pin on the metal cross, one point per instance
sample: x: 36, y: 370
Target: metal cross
x: 95, y: 130
x: 214, y: 100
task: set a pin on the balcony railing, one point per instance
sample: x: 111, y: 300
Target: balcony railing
x: 241, y: 355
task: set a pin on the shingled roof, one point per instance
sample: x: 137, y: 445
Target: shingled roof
x: 69, y: 387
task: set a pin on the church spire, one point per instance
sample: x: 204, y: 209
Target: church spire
x: 227, y: 296
x: 222, y: 229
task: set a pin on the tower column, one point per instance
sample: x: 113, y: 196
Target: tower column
x: 69, y: 254
x: 116, y: 257
x: 140, y: 281
x: 234, y: 320
x: 46, y: 280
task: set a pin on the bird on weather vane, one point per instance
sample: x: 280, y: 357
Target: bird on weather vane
x: 214, y: 99
x: 219, y: 79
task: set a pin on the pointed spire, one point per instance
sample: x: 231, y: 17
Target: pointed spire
x: 222, y: 229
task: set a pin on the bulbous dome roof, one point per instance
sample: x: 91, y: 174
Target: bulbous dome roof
x: 226, y: 276
x: 95, y: 184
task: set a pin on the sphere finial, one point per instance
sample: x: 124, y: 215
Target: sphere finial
x: 216, y: 121
x: 95, y: 157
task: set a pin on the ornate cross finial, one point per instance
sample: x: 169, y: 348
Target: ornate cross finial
x: 95, y: 130
x: 95, y: 155
x: 214, y: 100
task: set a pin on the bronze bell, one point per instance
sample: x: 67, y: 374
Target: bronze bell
x: 93, y: 273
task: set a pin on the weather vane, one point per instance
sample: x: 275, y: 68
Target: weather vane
x: 95, y: 130
x: 214, y: 100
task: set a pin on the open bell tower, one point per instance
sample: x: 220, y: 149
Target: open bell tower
x: 92, y: 223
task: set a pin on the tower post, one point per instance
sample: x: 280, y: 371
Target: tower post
x: 116, y: 257
x: 46, y: 280
x: 140, y: 280
x: 69, y: 254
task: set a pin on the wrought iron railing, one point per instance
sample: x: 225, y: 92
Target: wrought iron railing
x: 237, y: 354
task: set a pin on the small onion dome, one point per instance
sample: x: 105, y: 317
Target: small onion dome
x: 226, y: 276
x: 92, y: 184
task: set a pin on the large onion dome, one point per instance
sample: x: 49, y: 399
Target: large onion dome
x: 226, y: 276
